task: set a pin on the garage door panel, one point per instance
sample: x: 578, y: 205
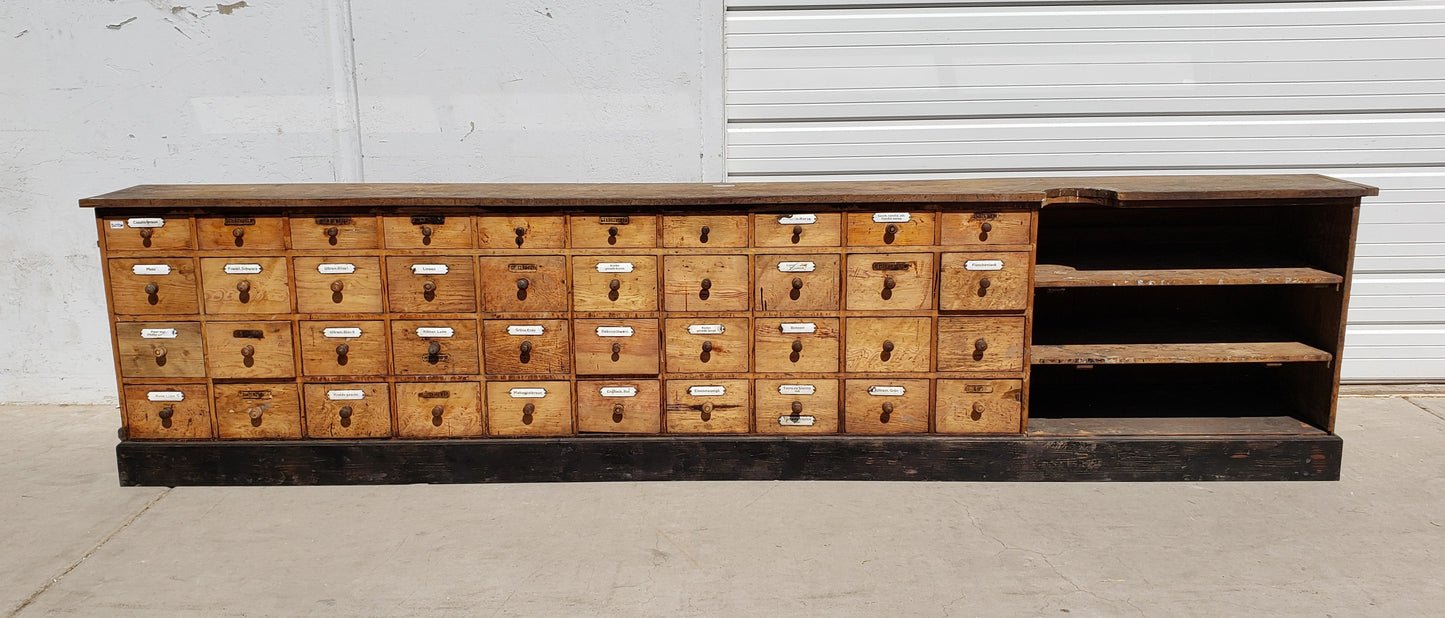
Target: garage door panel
x: 1394, y: 370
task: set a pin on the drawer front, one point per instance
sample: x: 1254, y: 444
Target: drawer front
x: 896, y: 281
x: 147, y: 233
x: 981, y: 344
x: 153, y: 286
x: 250, y: 350
x: 521, y: 232
x: 707, y: 406
x: 614, y: 231
x: 246, y: 285
x: 524, y: 283
x: 808, y: 282
x: 707, y: 345
x: 984, y: 281
x: 982, y: 228
x: 796, y: 406
x: 802, y: 229
x: 616, y: 347
x: 427, y: 284
x: 438, y: 409
x: 257, y: 411
x: 890, y: 229
x: 795, y: 345
x: 160, y: 349
x: 526, y: 347
x: 334, y: 232
x: 619, y: 406
x: 343, y: 348
x: 241, y: 233
x: 340, y: 284
x: 167, y: 412
x: 434, y: 347
x: 890, y: 344
x: 705, y: 282
x: 704, y: 230
x: 427, y: 232
x: 529, y: 408
x: 614, y: 283
x: 347, y: 410
x: 874, y: 406
x: 979, y: 406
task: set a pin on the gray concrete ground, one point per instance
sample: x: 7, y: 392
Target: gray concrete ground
x: 73, y: 542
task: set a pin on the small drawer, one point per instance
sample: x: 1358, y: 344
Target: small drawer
x: 885, y: 406
x: 521, y: 232
x: 707, y: 406
x: 246, y: 285
x: 339, y: 284
x: 824, y: 229
x: 704, y: 230
x: 616, y: 347
x: 147, y: 233
x: 167, y: 412
x: 343, y: 348
x: 614, y: 231
x: 619, y: 406
x: 979, y: 406
x: 707, y: 345
x: 524, y: 283
x: 795, y: 345
x: 981, y: 228
x: 981, y: 344
x: 438, y: 409
x: 334, y: 232
x: 241, y: 233
x: 428, y: 232
x: 614, y: 283
x: 890, y: 229
x: 160, y: 349
x: 257, y: 411
x: 529, y: 408
x: 153, y: 286
x: 526, y: 347
x: 807, y: 282
x: 347, y: 410
x: 890, y: 345
x: 250, y: 350
x: 796, y: 406
x: 434, y: 347
x: 890, y: 281
x: 985, y: 281
x: 431, y: 284
x: 705, y: 282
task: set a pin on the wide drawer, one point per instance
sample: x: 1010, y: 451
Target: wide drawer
x: 896, y: 229
x: 796, y: 345
x: 147, y: 233
x: 984, y: 281
x: 344, y: 348
x: 244, y: 233
x: 704, y: 230
x: 890, y: 281
x: 616, y: 347
x: 167, y: 412
x: 435, y: 347
x: 799, y: 229
x: 526, y: 347
x: 981, y: 344
x: 796, y: 406
x: 523, y: 283
x: 878, y: 406
x: 889, y: 345
x: 427, y: 232
x: 438, y: 409
x: 153, y: 286
x: 250, y: 350
x: 614, y: 283
x: 619, y: 406
x: 529, y: 408
x: 590, y: 231
x: 428, y: 284
x: 705, y: 283
x: 800, y: 282
x: 707, y: 406
x: 338, y: 284
x: 521, y: 232
x: 257, y: 411
x: 246, y: 285
x: 334, y: 232
x: 707, y: 345
x: 347, y: 410
x: 160, y: 349
x: 979, y: 406
x: 986, y: 227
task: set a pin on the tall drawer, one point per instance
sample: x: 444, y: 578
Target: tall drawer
x: 431, y: 284
x: 802, y: 229
x: 427, y: 232
x: 147, y: 233
x: 250, y: 350
x: 796, y: 345
x: 524, y: 283
x: 167, y: 412
x: 705, y: 282
x: 243, y: 233
x: 707, y: 345
x: 338, y: 284
x: 614, y: 231
x: 881, y: 229
x: 529, y: 408
x: 807, y: 282
x: 153, y: 286
x: 897, y: 345
x: 616, y: 347
x: 890, y: 281
x: 979, y: 406
x: 160, y: 349
x: 707, y: 406
x: 526, y: 347
x: 799, y: 406
x: 619, y: 406
x: 343, y: 348
x: 334, y: 232
x: 246, y: 285
x: 257, y: 411
x: 434, y: 347
x: 438, y: 409
x: 986, y: 227
x: 614, y: 283
x: 981, y: 344
x: 704, y: 230
x: 885, y: 406
x: 521, y: 232
x: 984, y: 281
x: 347, y: 410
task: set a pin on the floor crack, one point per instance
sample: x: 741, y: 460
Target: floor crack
x: 1427, y: 410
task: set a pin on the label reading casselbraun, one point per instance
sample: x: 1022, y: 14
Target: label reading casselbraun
x: 891, y: 217
x: 705, y: 329
x: 797, y: 219
x: 242, y: 269
x: 336, y: 269
x: 796, y: 389
x: 429, y: 269
x: 794, y: 328
x: 159, y: 333
x: 165, y: 396
x: 346, y: 395
x: 886, y: 391
x: 434, y: 332
x: 614, y: 267
x: 341, y: 333
x: 527, y: 393
x: 618, y: 391
x: 614, y: 331
x: 526, y: 330
x: 796, y: 267
x: 707, y: 391
x: 151, y: 269
x: 801, y: 420
x: 145, y: 222
x: 983, y: 265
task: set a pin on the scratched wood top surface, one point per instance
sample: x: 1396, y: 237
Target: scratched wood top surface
x: 1155, y: 353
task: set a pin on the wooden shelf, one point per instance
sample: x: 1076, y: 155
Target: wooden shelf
x: 1063, y: 276
x: 1170, y: 353
x: 1173, y: 426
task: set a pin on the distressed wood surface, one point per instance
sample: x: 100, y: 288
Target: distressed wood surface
x: 1173, y: 426
x: 1149, y: 353
x: 1063, y: 276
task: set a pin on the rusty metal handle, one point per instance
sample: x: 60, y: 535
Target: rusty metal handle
x: 166, y: 413
x: 343, y: 349
x: 426, y: 230
x: 707, y: 346
x: 986, y: 227
x: 344, y: 412
x: 433, y: 348
x: 617, y: 408
x: 707, y: 284
x: 528, y: 409
x: 887, y: 346
x: 437, y: 411
x: 248, y: 351
x: 707, y: 408
x: 980, y: 345
x: 525, y: 348
x: 797, y: 345
x: 243, y: 286
x: 152, y: 288
x: 523, y: 284
x: 889, y: 283
x: 797, y: 283
x: 614, y: 284
x: 797, y: 407
x: 333, y: 231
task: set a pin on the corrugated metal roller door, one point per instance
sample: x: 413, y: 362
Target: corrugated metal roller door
x: 843, y: 89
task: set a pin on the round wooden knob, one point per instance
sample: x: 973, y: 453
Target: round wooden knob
x: 614, y: 285
x: 333, y: 231
x: 426, y: 230
x: 797, y: 230
x: 980, y: 345
x: 707, y: 408
x: 887, y: 346
x: 256, y: 412
x: 888, y: 407
x: 248, y: 351
x: 429, y: 286
x: 616, y: 348
x: 433, y: 348
x: 797, y: 283
x: 437, y: 411
x: 978, y: 407
x: 528, y: 409
x: 707, y: 346
x: 152, y: 288
x: 343, y: 349
x: 612, y: 231
x: 147, y: 233
x: 238, y: 232
x: 523, y: 284
x: 166, y: 413
x: 984, y: 283
x: 797, y: 345
x: 344, y: 412
x: 243, y: 286
x: 521, y: 231
x: 707, y: 284
x: 889, y: 283
x: 986, y: 227
x: 797, y: 407
x: 337, y: 286
x: 891, y: 229
x: 617, y: 408
x: 525, y: 348
x: 160, y: 351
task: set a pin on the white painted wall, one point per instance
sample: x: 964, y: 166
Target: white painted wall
x: 97, y: 96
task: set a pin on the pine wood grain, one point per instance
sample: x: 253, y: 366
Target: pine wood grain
x: 1152, y: 353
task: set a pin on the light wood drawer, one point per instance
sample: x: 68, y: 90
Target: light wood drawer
x: 984, y: 281
x: 986, y: 227
x: 614, y: 283
x: 338, y: 284
x: 243, y: 233
x: 250, y: 350
x: 893, y: 345
x: 801, y: 229
x: 616, y: 347
x: 890, y: 229
x: 246, y: 285
x: 614, y: 231
x: 438, y: 409
x: 707, y: 345
x: 705, y: 282
x: 524, y: 283
x: 979, y: 406
x: 167, y: 412
x: 343, y: 348
x: 426, y: 284
x: 521, y: 232
x: 526, y: 347
x: 876, y: 406
x: 147, y: 233
x: 434, y: 347
x: 795, y: 345
x: 529, y: 408
x: 257, y: 411
x: 890, y: 281
x: 806, y: 282
x: 427, y: 232
x: 160, y: 349
x: 707, y: 406
x: 347, y: 410
x: 704, y: 230
x: 619, y: 406
x: 153, y: 286
x: 334, y: 232
x: 981, y: 344
x: 798, y: 406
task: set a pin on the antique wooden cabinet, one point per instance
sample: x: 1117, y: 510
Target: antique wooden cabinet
x: 1141, y: 328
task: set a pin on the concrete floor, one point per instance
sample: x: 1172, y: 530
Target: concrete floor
x: 73, y: 542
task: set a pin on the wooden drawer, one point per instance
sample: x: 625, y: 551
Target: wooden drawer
x: 529, y: 408
x: 167, y: 412
x: 981, y: 344
x: 824, y: 229
x: 705, y: 282
x: 707, y: 345
x: 343, y: 348
x: 890, y: 281
x: 707, y: 406
x: 614, y: 283
x: 614, y: 231
x: 257, y: 411
x: 246, y: 285
x: 885, y: 406
x: 524, y: 283
x: 347, y: 410
x: 795, y: 345
x: 807, y: 282
x: 333, y: 232
x: 526, y: 347
x: 427, y: 232
x: 986, y: 227
x: 984, y: 281
x: 338, y: 284
x: 434, y: 347
x: 427, y: 284
x: 147, y: 233
x: 250, y: 350
x: 890, y: 229
x: 795, y: 405
x: 153, y: 286
x: 241, y: 233
x: 160, y: 349
x: 438, y: 409
x: 704, y: 230
x: 616, y: 347
x: 891, y: 345
x: 979, y: 406
x: 619, y: 406
x: 521, y: 232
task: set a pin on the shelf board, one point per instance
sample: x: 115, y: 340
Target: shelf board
x: 1169, y: 353
x: 1173, y: 426
x: 1064, y: 276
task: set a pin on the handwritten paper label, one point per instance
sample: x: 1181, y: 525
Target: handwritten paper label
x: 797, y: 219
x: 891, y: 217
x: 159, y: 333
x: 336, y: 269
x: 885, y: 391
x: 527, y: 393
x: 146, y: 222
x: 796, y: 389
x: 796, y: 267
x: 429, y: 269
x: 793, y: 328
x: 346, y: 395
x: 614, y: 331
x: 705, y: 329
x: 434, y: 332
x: 983, y: 265
x: 707, y: 391
x: 341, y: 333
x: 151, y: 269
x: 614, y: 267
x: 165, y: 396
x: 618, y: 391
x: 796, y: 421
x: 242, y: 269
x: 530, y: 330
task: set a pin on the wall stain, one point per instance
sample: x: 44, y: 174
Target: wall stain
x: 119, y: 25
x: 227, y: 9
